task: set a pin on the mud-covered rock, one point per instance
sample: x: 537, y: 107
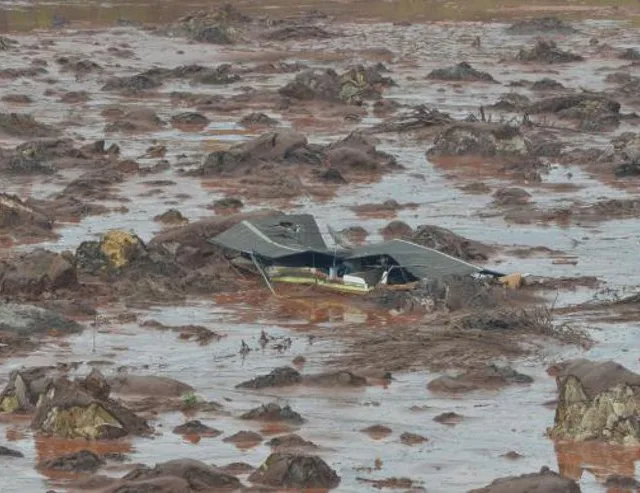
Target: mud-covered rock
x: 7, y: 43
x: 539, y: 25
x: 278, y: 150
x: 18, y: 219
x: 291, y: 441
x: 417, y: 118
x: 196, y: 427
x: 335, y: 379
x: 37, y: 272
x: 133, y: 84
x: 508, y: 147
x: 593, y: 111
x: 273, y: 412
x: 479, y: 139
x: 280, y: 377
x: 82, y: 461
x: 166, y: 484
x: 244, y: 439
x: 25, y: 387
x: 448, y: 418
x: 630, y: 54
x: 31, y: 320
x: 486, y: 377
x: 409, y: 438
x: 282, y: 470
x: 462, y: 72
x: 189, y: 119
x: 448, y: 242
x: 512, y: 101
x: 68, y: 410
x: 222, y: 74
x: 227, y: 204
x: 7, y: 452
x: 546, y: 51
x: 45, y: 156
x: 546, y: 84
x: 258, y: 119
x: 22, y: 125
x: 80, y: 66
x: 115, y: 250
x: 545, y: 481
x: 27, y: 72
x: 198, y: 475
x: 357, y: 153
x: 221, y: 26
x: 616, y: 482
x: 138, y: 120
x: 148, y: 385
x: 172, y: 217
x: 396, y: 229
x: 511, y: 196
x: 198, y: 333
x: 597, y: 401
x: 17, y: 99
x: 352, y: 87
x: 297, y: 32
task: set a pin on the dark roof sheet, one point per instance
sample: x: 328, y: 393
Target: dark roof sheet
x: 274, y: 236
x: 422, y: 262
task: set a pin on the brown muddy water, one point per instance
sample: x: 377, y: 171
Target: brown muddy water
x: 455, y: 458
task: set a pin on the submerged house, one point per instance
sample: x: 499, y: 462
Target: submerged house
x: 291, y: 249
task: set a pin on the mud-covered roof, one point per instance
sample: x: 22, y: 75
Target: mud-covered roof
x: 422, y: 262
x: 274, y: 236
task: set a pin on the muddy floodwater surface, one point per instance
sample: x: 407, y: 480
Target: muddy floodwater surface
x: 174, y: 94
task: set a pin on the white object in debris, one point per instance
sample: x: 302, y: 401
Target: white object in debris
x: 354, y: 280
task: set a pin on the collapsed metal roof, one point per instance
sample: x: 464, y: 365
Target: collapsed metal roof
x: 274, y: 237
x: 280, y: 236
x: 421, y: 262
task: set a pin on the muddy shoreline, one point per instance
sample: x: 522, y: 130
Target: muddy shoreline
x: 497, y: 136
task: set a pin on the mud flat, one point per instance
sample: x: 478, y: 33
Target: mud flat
x: 137, y: 355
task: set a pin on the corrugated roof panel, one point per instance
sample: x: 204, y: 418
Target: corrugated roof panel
x: 422, y: 262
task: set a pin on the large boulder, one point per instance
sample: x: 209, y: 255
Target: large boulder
x: 545, y: 481
x: 37, y: 272
x: 198, y: 475
x: 74, y: 410
x: 282, y: 470
x: 597, y: 401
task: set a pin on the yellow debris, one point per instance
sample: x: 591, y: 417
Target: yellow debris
x: 9, y: 404
x: 78, y: 422
x: 512, y: 281
x: 119, y: 246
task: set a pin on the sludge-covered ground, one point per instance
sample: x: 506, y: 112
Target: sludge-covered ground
x: 575, y: 207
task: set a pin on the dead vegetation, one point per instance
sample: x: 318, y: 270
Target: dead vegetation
x: 458, y: 323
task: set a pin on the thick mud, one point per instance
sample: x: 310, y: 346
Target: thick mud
x: 331, y: 109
